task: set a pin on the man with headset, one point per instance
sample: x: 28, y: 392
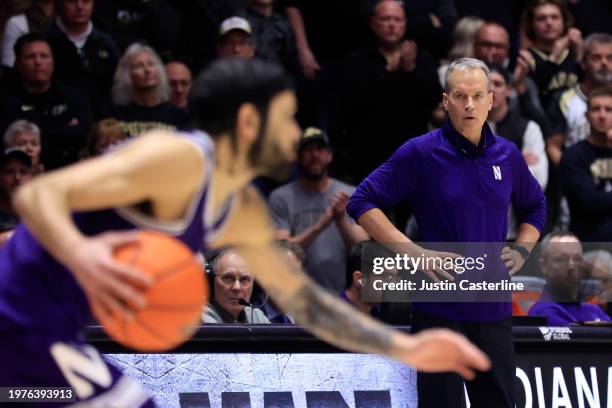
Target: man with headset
x: 231, y: 286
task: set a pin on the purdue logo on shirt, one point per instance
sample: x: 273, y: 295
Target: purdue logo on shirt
x: 497, y: 173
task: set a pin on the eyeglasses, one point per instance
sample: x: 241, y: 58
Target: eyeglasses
x: 230, y: 278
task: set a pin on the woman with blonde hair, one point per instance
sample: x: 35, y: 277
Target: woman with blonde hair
x: 103, y: 135
x: 141, y: 92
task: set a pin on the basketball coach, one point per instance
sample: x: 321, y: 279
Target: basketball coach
x: 460, y: 181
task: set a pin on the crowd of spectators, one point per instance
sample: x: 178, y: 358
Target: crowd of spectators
x: 80, y: 76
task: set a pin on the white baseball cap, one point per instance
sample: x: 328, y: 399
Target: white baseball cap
x: 235, y: 23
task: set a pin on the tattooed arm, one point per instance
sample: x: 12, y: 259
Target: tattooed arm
x: 330, y: 318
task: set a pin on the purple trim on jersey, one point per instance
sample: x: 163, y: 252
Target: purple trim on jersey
x: 36, y: 290
x: 41, y: 303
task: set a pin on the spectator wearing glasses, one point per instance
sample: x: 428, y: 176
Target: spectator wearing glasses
x: 561, y: 263
x: 231, y: 285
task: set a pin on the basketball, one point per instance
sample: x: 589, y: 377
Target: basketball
x: 174, y: 300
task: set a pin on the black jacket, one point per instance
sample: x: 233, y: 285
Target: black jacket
x: 62, y: 113
x: 381, y: 109
x: 90, y: 68
x: 589, y: 190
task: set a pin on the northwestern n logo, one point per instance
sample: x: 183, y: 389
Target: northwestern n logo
x: 497, y: 172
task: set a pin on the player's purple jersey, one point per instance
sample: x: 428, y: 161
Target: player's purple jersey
x: 37, y: 293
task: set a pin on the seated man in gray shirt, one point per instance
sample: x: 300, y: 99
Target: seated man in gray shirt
x: 312, y: 212
x: 231, y: 286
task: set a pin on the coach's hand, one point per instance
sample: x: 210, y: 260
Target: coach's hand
x: 435, y: 258
x: 442, y: 350
x: 111, y: 287
x: 513, y: 260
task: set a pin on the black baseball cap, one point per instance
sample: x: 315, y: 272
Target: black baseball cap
x: 17, y: 154
x: 313, y: 134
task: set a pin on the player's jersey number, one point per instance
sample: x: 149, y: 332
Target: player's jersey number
x: 82, y: 367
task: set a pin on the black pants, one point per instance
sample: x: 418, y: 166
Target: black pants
x: 494, y: 388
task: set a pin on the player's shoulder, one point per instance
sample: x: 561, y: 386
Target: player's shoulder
x: 200, y: 139
x: 249, y: 222
x: 166, y: 139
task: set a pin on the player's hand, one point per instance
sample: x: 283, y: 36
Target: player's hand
x: 111, y: 287
x: 309, y: 64
x: 442, y: 350
x: 513, y: 260
x: 435, y: 258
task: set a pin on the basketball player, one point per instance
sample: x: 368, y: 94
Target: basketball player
x: 58, y: 266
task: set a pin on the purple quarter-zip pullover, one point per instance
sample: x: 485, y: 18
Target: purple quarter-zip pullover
x: 459, y: 192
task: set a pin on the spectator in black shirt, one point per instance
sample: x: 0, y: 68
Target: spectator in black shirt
x: 180, y: 81
x: 141, y: 93
x: 586, y: 173
x: 155, y: 22
x: 326, y: 32
x: 391, y: 88
x: 429, y: 22
x: 272, y: 34
x: 62, y: 113
x: 556, y: 48
x: 88, y: 56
